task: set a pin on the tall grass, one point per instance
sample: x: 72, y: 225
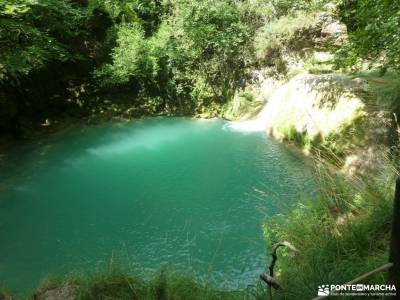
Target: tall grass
x: 340, y: 235
x: 380, y: 91
x: 112, y: 283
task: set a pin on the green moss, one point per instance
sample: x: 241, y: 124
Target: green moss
x: 335, y: 145
x: 246, y: 103
x: 301, y: 139
x: 314, y: 66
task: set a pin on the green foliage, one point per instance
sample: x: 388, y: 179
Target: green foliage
x: 46, y: 47
x: 24, y: 49
x: 130, y: 58
x: 116, y: 284
x: 334, y: 146
x: 34, y: 32
x: 374, y: 32
x: 349, y: 224
x: 256, y: 13
x: 198, y: 54
x: 147, y: 13
x: 292, y: 32
x: 171, y: 56
x: 316, y: 66
x: 113, y: 284
x: 288, y: 7
x: 215, y: 41
x: 245, y: 104
x: 382, y: 92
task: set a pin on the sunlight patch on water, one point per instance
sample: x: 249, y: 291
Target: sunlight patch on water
x: 146, y: 138
x: 164, y: 191
x: 255, y: 125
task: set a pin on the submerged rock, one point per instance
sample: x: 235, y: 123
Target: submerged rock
x: 65, y: 292
x: 4, y: 296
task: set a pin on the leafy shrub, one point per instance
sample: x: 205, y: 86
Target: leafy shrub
x: 197, y: 56
x: 34, y: 33
x: 131, y: 57
x: 288, y: 32
x: 256, y: 13
x: 288, y: 7
x: 146, y: 13
x: 374, y: 35
x: 211, y: 49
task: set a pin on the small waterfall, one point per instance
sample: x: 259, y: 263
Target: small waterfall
x: 263, y: 119
x: 316, y: 104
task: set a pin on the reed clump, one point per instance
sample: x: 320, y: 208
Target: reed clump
x: 341, y: 233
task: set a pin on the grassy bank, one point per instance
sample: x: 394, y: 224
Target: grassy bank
x: 112, y: 283
x: 341, y: 234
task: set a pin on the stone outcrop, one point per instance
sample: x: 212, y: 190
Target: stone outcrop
x: 316, y: 105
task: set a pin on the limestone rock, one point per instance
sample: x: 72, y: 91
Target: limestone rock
x: 312, y: 104
x: 4, y: 296
x: 333, y: 32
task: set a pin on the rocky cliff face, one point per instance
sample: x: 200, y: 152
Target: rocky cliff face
x: 321, y: 109
x: 314, y: 105
x: 327, y: 114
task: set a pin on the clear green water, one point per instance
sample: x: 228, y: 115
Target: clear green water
x: 186, y: 193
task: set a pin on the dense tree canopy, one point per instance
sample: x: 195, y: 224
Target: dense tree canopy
x: 374, y: 27
x: 173, y: 56
x: 33, y: 33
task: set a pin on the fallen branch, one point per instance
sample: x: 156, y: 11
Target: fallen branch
x: 275, y: 257
x: 269, y: 278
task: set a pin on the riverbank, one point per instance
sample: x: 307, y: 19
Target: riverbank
x: 350, y: 222
x: 115, y: 284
